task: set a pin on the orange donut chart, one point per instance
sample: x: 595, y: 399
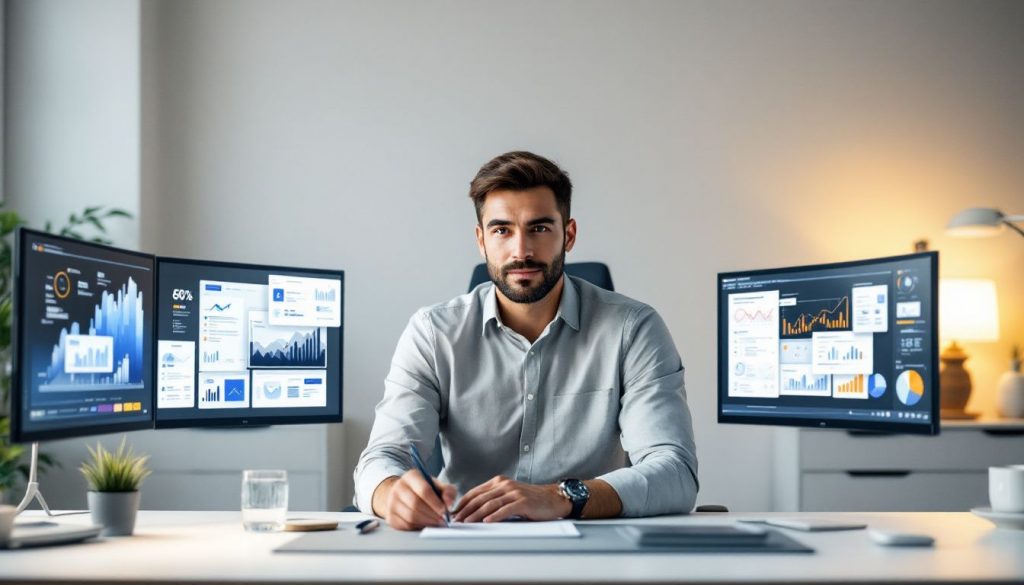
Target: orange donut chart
x: 61, y: 280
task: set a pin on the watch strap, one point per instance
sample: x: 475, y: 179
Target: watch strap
x: 578, y: 503
x: 577, y: 509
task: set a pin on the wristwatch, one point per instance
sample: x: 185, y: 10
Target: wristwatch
x: 577, y: 493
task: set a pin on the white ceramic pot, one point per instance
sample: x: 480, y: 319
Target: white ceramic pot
x: 1010, y: 399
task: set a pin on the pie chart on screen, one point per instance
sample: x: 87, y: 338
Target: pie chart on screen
x: 876, y: 385
x: 909, y: 387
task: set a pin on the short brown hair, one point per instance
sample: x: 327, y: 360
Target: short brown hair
x: 519, y: 171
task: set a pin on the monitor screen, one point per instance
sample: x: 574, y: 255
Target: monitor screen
x: 240, y: 344
x: 83, y: 338
x: 851, y: 345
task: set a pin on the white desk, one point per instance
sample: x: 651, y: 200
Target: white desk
x: 211, y: 547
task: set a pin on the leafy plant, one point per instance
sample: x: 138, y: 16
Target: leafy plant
x: 115, y: 471
x: 93, y: 218
x: 10, y: 456
x: 90, y: 216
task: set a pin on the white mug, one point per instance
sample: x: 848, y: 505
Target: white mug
x: 1006, y: 488
x: 7, y: 514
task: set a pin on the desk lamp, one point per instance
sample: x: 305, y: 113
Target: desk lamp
x: 967, y: 312
x: 977, y: 222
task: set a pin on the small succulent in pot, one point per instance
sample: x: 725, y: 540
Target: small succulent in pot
x: 114, y: 479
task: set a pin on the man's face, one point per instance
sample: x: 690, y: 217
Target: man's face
x: 522, y: 238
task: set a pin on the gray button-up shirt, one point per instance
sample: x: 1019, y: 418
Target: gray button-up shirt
x: 598, y: 395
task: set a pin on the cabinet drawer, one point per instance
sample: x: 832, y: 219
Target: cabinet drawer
x: 954, y: 450
x: 915, y: 492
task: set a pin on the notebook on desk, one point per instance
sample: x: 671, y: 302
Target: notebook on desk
x: 594, y: 538
x: 697, y: 536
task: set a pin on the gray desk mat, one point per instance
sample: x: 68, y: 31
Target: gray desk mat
x: 594, y: 539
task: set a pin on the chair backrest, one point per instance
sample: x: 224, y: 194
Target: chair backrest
x: 592, y: 272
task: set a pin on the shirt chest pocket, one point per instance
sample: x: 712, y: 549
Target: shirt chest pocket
x: 585, y: 424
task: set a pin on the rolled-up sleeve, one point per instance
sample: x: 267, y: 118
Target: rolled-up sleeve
x: 655, y: 422
x: 408, y: 414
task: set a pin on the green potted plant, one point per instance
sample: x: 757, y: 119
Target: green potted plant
x: 114, y: 478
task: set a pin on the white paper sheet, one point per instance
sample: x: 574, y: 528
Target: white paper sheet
x: 555, y: 529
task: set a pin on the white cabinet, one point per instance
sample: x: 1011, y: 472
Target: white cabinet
x: 840, y: 471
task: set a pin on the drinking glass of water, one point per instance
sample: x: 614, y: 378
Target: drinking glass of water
x: 264, y: 499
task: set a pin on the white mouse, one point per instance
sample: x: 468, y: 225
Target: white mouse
x: 886, y: 538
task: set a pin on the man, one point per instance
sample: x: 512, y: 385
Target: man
x: 554, y: 398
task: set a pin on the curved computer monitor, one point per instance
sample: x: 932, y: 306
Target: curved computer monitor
x: 82, y: 338
x: 852, y: 345
x: 244, y: 344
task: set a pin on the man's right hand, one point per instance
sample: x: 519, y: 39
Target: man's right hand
x: 408, y: 502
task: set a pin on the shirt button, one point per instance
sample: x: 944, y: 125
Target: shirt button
x: 526, y: 448
x: 529, y: 396
x: 531, y: 353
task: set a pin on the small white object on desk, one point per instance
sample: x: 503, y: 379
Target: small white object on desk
x: 555, y: 529
x: 886, y: 538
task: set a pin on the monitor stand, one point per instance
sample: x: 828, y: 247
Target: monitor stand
x: 32, y: 491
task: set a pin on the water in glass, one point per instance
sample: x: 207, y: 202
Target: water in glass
x: 264, y: 500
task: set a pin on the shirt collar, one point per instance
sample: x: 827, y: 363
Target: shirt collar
x: 490, y: 308
x: 568, y: 306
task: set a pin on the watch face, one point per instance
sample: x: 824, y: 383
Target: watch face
x: 575, y: 489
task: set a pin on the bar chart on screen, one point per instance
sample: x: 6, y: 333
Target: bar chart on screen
x: 854, y: 386
x: 224, y: 390
x: 808, y: 316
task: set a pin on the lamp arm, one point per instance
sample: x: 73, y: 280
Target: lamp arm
x: 1009, y: 221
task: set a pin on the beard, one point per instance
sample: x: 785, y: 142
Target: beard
x: 521, y: 292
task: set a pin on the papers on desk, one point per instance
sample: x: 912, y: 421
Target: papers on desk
x: 480, y: 530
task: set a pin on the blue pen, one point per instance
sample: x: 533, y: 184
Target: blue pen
x: 367, y: 526
x: 416, y: 459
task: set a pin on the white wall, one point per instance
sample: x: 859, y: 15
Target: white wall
x: 72, y: 111
x: 701, y: 137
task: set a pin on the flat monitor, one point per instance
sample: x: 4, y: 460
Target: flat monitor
x: 242, y: 344
x: 850, y: 345
x: 83, y: 338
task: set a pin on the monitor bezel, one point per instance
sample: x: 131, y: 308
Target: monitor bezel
x: 18, y: 433
x: 932, y: 428
x: 254, y: 421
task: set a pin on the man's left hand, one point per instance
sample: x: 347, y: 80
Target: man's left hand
x: 502, y: 498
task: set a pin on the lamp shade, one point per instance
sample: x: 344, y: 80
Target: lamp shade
x: 968, y: 310
x: 976, y: 222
